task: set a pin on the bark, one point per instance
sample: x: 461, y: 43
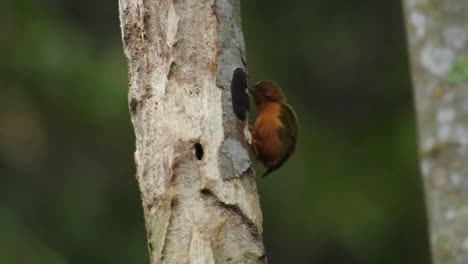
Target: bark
x: 194, y: 172
x: 437, y: 38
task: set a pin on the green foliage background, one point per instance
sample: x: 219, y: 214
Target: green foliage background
x: 351, y: 194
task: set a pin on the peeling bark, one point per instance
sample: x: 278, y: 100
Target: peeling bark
x: 437, y: 38
x: 196, y: 179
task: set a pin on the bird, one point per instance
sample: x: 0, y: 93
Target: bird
x: 276, y: 127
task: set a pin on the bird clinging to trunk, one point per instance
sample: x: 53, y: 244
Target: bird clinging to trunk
x: 275, y: 131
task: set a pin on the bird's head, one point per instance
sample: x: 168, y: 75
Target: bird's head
x: 266, y: 91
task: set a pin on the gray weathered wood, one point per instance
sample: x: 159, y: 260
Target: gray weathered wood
x: 437, y: 37
x: 181, y: 55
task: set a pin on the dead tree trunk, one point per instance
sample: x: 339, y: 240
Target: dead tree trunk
x: 437, y: 37
x: 198, y: 188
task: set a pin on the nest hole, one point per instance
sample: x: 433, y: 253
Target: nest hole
x: 198, y: 151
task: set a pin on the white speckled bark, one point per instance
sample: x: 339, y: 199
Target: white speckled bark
x: 437, y: 37
x: 181, y: 55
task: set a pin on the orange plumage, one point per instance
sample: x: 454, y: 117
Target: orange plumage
x: 275, y: 130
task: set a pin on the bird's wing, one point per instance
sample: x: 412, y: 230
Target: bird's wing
x: 288, y: 135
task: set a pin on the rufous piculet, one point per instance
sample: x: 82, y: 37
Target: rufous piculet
x: 276, y: 127
x: 275, y: 131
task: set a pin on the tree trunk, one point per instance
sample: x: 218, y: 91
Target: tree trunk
x: 194, y: 172
x: 437, y: 37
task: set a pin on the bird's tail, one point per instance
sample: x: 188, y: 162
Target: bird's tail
x: 268, y: 171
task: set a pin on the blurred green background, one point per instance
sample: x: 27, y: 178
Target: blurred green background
x: 351, y: 194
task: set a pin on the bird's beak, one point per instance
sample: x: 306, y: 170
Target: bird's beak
x: 250, y: 89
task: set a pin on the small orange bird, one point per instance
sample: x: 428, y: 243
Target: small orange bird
x: 275, y: 131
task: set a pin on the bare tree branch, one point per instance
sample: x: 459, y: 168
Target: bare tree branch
x: 198, y: 188
x: 437, y: 37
